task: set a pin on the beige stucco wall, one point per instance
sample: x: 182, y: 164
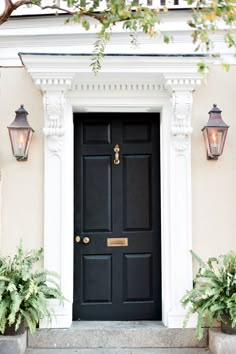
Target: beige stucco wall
x: 22, y: 182
x: 214, y: 182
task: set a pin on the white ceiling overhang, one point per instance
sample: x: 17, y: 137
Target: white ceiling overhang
x: 49, y: 34
x: 71, y: 69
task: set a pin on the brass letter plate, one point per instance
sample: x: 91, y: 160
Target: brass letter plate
x: 117, y: 242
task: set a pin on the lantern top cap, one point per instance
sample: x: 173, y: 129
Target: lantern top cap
x: 215, y: 120
x: 215, y: 109
x: 20, y: 121
x: 21, y: 110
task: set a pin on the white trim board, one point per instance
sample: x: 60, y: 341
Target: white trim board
x: 49, y: 34
x: 134, y: 84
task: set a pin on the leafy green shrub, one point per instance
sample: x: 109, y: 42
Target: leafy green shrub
x: 24, y: 293
x: 214, y: 291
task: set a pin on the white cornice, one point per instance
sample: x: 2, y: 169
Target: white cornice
x: 51, y: 35
x: 58, y: 65
x: 71, y: 73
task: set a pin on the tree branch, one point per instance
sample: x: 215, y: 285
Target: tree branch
x: 80, y: 13
x: 10, y: 7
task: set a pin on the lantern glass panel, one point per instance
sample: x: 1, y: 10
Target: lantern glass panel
x: 20, y: 139
x: 215, y: 140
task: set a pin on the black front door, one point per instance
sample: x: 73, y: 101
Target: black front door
x: 117, y: 273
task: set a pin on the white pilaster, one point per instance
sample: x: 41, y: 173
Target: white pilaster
x: 58, y: 194
x: 180, y: 217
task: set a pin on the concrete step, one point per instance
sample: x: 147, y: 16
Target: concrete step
x: 116, y: 334
x: 221, y: 343
x: 119, y: 351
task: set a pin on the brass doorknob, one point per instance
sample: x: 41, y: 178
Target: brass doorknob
x: 77, y: 239
x: 86, y: 240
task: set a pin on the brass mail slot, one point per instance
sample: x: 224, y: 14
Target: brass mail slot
x: 117, y: 242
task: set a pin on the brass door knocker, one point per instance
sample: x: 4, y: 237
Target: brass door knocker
x: 117, y: 157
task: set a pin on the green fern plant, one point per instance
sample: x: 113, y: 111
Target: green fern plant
x: 24, y: 293
x: 214, y: 291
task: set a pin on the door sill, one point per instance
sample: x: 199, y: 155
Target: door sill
x: 117, y: 324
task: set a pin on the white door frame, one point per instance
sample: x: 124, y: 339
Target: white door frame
x: 144, y: 84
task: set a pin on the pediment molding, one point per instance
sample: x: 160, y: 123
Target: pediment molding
x: 122, y: 79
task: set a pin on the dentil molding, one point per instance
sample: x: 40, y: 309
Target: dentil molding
x: 118, y: 87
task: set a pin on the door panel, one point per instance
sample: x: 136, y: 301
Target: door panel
x: 137, y: 192
x: 96, y: 132
x: 96, y: 193
x: 97, y: 279
x: 120, y: 202
x: 135, y: 132
x: 136, y: 267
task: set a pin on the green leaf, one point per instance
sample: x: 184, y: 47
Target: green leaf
x: 70, y: 3
x: 76, y: 18
x: 167, y: 39
x: 85, y: 24
x: 203, y: 67
x: 195, y: 256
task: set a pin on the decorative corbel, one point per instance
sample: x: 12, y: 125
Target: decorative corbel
x: 54, y: 122
x: 181, y: 94
x: 54, y: 102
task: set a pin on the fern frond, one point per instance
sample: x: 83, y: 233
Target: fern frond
x: 24, y: 293
x: 18, y: 321
x: 4, y: 308
x: 16, y: 300
x: 30, y: 321
x: 3, y: 324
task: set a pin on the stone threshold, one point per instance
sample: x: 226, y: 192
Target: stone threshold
x: 116, y: 334
x: 120, y: 351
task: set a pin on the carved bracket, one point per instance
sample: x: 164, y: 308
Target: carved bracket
x: 54, y: 120
x: 181, y: 119
x: 54, y: 89
x: 181, y: 94
x: 54, y: 103
x: 181, y: 128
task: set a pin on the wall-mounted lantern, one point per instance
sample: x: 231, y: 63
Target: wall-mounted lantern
x: 215, y: 134
x: 20, y: 133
